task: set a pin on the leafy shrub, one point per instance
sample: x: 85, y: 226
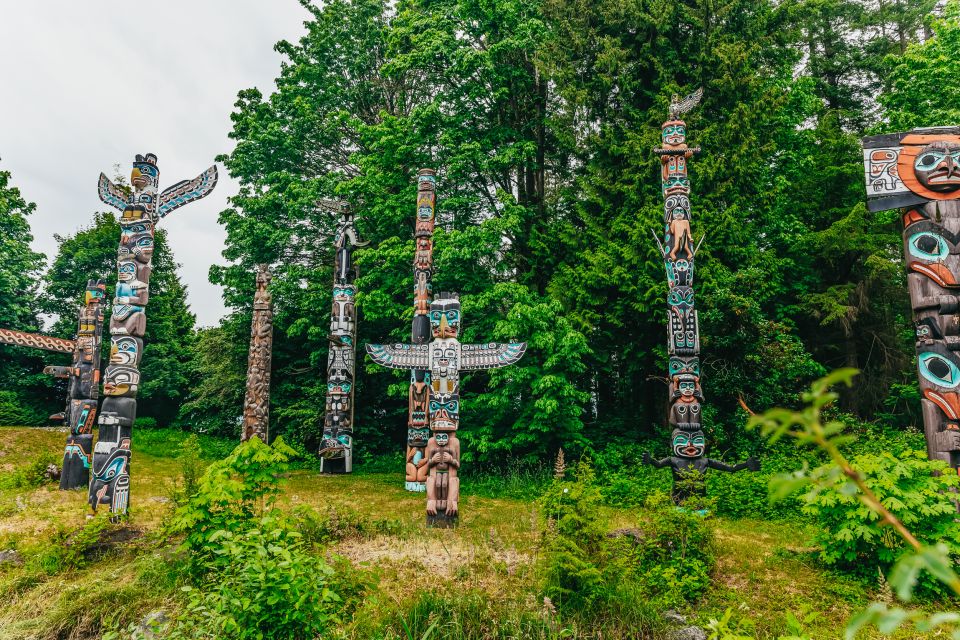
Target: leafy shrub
x: 573, y: 539
x: 853, y: 537
x: 230, y: 497
x: 34, y: 474
x: 17, y: 411
x: 262, y: 584
x: 147, y: 422
x: 69, y: 550
x: 675, y: 555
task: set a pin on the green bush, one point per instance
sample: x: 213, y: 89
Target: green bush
x: 852, y: 536
x: 675, y: 554
x: 230, y: 497
x: 68, y: 550
x: 262, y: 585
x: 664, y: 563
x: 34, y: 474
x: 573, y: 540
x: 18, y: 411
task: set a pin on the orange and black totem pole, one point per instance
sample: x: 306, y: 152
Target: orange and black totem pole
x: 918, y: 171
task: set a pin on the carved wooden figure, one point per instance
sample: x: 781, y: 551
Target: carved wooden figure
x: 84, y: 382
x: 256, y: 401
x: 336, y: 448
x: 683, y: 331
x: 919, y: 170
x: 141, y: 208
x: 435, y: 357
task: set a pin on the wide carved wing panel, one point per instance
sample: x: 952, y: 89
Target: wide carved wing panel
x: 37, y: 341
x: 186, y: 191
x: 400, y: 356
x: 111, y: 193
x: 491, y: 355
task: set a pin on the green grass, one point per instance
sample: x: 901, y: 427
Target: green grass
x: 479, y: 581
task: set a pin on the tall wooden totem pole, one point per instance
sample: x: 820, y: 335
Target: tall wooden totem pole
x: 83, y: 377
x: 919, y: 171
x: 256, y: 401
x: 688, y: 442
x: 141, y: 209
x: 336, y: 448
x: 436, y: 365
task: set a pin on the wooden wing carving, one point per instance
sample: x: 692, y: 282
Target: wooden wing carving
x: 400, y: 356
x: 490, y: 356
x: 111, y: 193
x: 186, y: 191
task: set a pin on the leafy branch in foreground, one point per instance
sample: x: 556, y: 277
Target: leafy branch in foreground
x: 807, y: 427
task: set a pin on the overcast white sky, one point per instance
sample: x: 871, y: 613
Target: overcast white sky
x: 87, y: 85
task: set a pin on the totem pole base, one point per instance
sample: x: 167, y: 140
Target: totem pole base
x: 334, y: 466
x: 416, y: 487
x: 442, y: 521
x: 76, y: 462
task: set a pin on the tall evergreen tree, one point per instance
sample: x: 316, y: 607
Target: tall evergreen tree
x: 26, y: 395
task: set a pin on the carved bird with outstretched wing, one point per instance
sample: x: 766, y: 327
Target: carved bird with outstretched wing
x: 679, y: 107
x: 186, y: 191
x: 111, y: 194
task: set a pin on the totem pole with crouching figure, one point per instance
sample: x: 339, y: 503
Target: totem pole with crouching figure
x: 336, y: 449
x: 141, y: 208
x: 688, y: 462
x: 919, y: 172
x: 256, y: 400
x: 436, y: 357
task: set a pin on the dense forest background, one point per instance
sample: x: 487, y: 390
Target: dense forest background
x: 540, y: 117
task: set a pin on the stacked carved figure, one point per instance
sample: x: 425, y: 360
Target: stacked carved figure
x: 256, y: 400
x: 919, y: 170
x: 141, y: 209
x: 688, y: 443
x: 336, y: 447
x: 83, y: 389
x: 436, y: 357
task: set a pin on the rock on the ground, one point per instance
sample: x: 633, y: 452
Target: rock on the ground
x: 10, y: 556
x: 687, y: 633
x: 672, y: 616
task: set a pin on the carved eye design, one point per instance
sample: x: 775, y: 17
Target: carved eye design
x: 694, y: 409
x: 681, y: 440
x: 698, y: 441
x: 929, y: 160
x: 681, y: 410
x: 928, y: 246
x: 938, y: 370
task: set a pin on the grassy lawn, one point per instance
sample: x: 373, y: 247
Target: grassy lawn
x: 488, y: 565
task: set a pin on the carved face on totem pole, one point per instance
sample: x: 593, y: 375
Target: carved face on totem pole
x: 682, y: 328
x: 342, y: 315
x: 444, y: 411
x: 136, y: 241
x: 932, y: 250
x: 418, y: 437
x: 121, y: 380
x: 937, y: 166
x: 445, y: 316
x: 125, y: 350
x: 688, y: 444
x: 674, y: 133
x: 95, y: 292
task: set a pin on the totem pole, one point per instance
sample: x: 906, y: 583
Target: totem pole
x: 83, y: 390
x: 336, y: 449
x: 141, y: 209
x: 84, y: 382
x: 441, y: 361
x: 689, y: 461
x: 256, y: 402
x: 919, y: 171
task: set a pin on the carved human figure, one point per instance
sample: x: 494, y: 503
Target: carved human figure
x: 443, y: 485
x: 689, y: 464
